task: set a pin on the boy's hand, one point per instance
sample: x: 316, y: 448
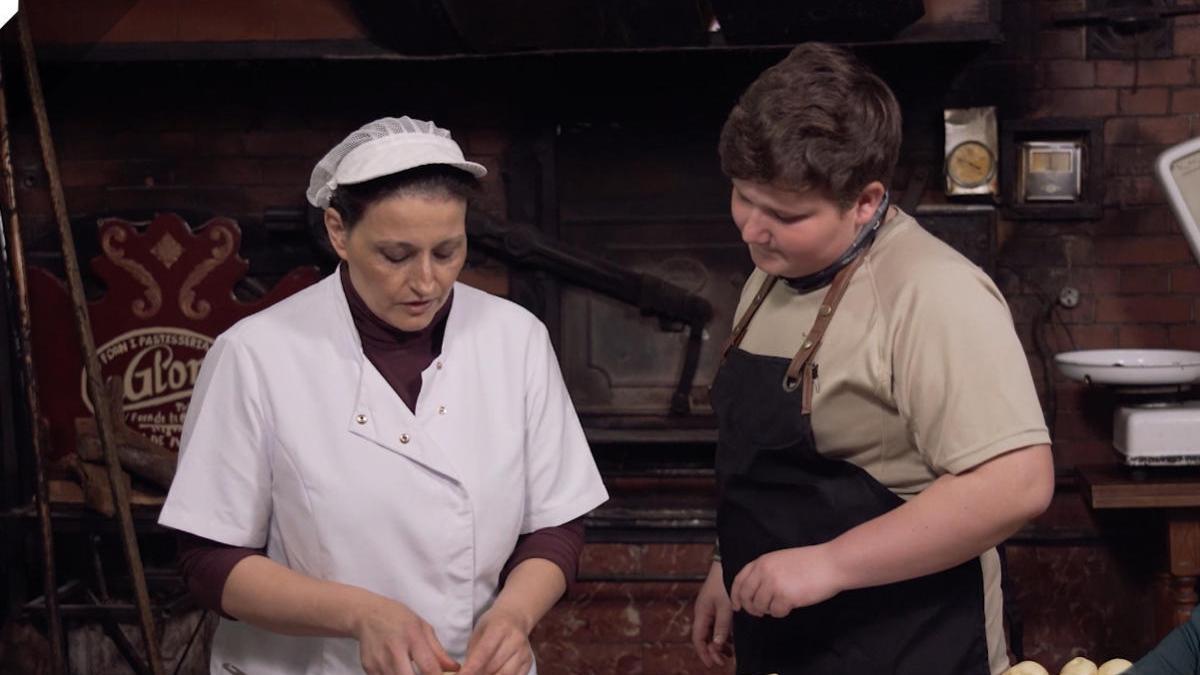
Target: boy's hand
x: 780, y: 581
x: 711, y: 619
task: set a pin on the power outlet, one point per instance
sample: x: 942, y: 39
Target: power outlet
x: 1069, y: 297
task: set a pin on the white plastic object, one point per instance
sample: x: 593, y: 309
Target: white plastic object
x: 1130, y: 367
x: 1178, y: 172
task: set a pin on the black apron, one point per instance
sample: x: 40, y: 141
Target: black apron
x: 776, y: 491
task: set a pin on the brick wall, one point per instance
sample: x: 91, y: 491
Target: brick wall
x: 236, y: 139
x: 1084, y: 584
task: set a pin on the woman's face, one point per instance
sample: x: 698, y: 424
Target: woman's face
x: 404, y: 255
x: 791, y: 234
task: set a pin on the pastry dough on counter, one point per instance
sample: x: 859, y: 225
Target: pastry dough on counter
x: 1076, y: 666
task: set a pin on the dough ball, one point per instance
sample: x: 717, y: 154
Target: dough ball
x: 1027, y: 668
x: 1078, y: 666
x: 1114, y: 667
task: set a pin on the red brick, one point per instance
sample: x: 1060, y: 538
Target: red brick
x: 1068, y: 74
x: 1144, y: 220
x: 291, y: 172
x: 556, y: 657
x: 225, y: 200
x: 308, y: 20
x: 1115, y: 73
x: 1121, y: 130
x: 1165, y: 130
x: 589, y: 618
x: 1071, y: 426
x: 1096, y: 279
x: 1025, y: 308
x: 1130, y: 160
x: 1142, y: 336
x: 139, y: 144
x: 1142, y: 250
x: 1132, y: 190
x: 218, y: 171
x: 1144, y: 308
x: 678, y: 559
x: 1185, y: 101
x: 674, y: 659
x: 1080, y: 452
x: 1185, y: 279
x: 145, y: 22
x: 1187, y: 40
x: 221, y: 144
x: 1090, y: 336
x: 611, y: 559
x: 492, y: 277
x: 1144, y: 280
x: 1186, y: 19
x: 487, y: 142
x: 273, y: 196
x: 84, y: 173
x: 1144, y: 101
x: 280, y: 144
x: 1164, y: 71
x: 1075, y: 103
x: 225, y: 20
x: 1185, y: 336
x: 1060, y: 44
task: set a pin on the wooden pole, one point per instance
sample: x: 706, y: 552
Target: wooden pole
x: 16, y: 251
x: 95, y: 384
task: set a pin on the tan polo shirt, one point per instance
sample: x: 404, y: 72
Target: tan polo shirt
x: 920, y: 372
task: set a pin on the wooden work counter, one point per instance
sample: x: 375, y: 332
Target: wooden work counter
x: 1173, y: 496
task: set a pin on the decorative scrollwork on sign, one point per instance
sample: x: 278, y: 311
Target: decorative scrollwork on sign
x: 187, y: 294
x: 143, y: 308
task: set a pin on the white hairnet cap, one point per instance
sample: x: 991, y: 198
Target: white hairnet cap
x: 385, y: 146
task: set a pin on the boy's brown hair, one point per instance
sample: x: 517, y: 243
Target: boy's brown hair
x: 818, y: 120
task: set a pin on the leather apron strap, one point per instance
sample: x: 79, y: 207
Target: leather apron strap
x: 800, y: 373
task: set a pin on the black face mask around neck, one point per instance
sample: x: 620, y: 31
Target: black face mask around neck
x: 863, y: 241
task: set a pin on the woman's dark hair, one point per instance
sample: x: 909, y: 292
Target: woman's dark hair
x: 433, y: 180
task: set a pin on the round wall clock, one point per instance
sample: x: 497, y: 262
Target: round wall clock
x: 970, y: 164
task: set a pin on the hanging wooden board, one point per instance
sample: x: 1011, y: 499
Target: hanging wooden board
x: 169, y: 293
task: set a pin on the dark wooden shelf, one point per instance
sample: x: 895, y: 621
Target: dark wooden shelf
x: 1115, y: 486
x: 365, y: 50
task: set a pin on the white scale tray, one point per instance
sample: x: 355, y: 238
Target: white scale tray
x: 1131, y: 367
x: 1152, y: 434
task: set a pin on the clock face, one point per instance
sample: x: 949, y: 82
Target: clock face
x: 970, y: 164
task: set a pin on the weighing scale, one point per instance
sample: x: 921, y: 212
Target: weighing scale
x: 1157, y: 426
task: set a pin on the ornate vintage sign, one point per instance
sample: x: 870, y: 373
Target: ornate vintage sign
x: 169, y: 292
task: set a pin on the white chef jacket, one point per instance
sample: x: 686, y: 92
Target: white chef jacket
x: 294, y: 441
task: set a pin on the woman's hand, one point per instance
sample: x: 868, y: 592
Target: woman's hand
x: 711, y: 619
x: 391, y: 639
x: 780, y: 581
x: 499, y: 645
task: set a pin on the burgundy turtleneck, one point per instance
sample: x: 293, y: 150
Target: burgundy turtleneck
x: 401, y: 357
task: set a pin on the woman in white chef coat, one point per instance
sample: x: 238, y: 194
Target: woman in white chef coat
x: 384, y: 527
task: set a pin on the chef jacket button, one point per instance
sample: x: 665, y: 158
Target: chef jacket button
x: 441, y: 410
x: 361, y: 419
x: 439, y: 365
x: 403, y: 438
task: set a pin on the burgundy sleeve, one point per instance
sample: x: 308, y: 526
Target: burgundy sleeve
x: 560, y: 544
x: 205, y: 565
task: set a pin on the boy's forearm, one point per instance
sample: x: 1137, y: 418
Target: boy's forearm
x: 956, y: 518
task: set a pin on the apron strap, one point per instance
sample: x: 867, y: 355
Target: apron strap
x: 739, y: 331
x: 799, y: 372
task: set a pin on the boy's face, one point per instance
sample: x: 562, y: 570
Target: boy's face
x: 792, y: 234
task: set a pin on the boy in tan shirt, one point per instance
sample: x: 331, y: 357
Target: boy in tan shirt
x: 879, y: 428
